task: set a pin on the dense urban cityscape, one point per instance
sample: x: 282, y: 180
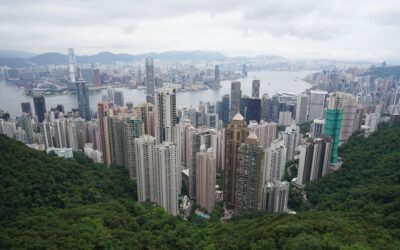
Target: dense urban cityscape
x: 199, y: 125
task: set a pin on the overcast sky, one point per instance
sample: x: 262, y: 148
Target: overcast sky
x: 296, y: 29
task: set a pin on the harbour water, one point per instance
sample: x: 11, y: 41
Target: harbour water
x: 271, y: 83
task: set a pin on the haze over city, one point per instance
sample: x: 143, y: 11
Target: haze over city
x: 342, y: 30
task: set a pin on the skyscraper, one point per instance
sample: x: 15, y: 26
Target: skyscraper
x: 317, y: 104
x: 72, y: 69
x: 132, y: 130
x: 150, y: 80
x: 192, y: 146
x: 103, y: 112
x: 249, y: 176
x: 255, y: 89
x: 349, y: 120
x: 235, y: 134
x: 333, y: 123
x: 265, y: 131
x: 291, y: 140
x: 205, y: 178
x: 26, y: 107
x: 236, y: 94
x: 83, y: 99
x: 301, y: 109
x: 165, y: 115
x: 224, y: 114
x: 167, y: 171
x: 317, y: 128
x: 146, y: 168
x: 275, y: 160
x: 40, y: 107
x: 217, y: 77
x: 250, y: 108
x: 145, y: 112
x: 276, y: 195
x: 119, y: 98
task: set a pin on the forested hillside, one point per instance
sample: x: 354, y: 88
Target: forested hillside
x: 52, y: 203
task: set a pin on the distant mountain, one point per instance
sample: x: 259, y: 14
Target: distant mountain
x: 49, y: 58
x: 12, y: 54
x: 385, y: 71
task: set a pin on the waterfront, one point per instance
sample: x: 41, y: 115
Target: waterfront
x: 271, y: 82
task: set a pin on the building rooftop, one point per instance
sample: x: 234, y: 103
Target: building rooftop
x: 238, y: 117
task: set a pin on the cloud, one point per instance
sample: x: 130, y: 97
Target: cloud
x: 293, y: 28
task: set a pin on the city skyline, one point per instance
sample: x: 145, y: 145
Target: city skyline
x: 295, y: 29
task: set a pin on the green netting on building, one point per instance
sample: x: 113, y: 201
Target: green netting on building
x: 333, y: 123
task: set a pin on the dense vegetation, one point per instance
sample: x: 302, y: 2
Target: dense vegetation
x: 49, y: 202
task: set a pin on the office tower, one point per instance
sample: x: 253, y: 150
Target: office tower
x: 266, y: 133
x: 244, y: 70
x: 217, y: 77
x: 349, y: 121
x: 26, y: 107
x: 47, y: 131
x: 167, y: 171
x: 73, y: 74
x: 270, y: 108
x: 165, y: 115
x: 60, y: 133
x: 110, y: 94
x: 255, y: 89
x: 317, y: 104
x: 205, y: 178
x: 371, y: 122
x: 145, y: 112
x: 333, y: 123
x: 224, y: 111
x: 96, y: 77
x: 275, y: 160
x: 26, y: 124
x: 119, y: 98
x: 83, y: 99
x: 276, y: 195
x: 301, y: 109
x: 192, y: 146
x: 250, y: 108
x: 87, y: 75
x: 150, y: 80
x: 132, y: 129
x: 201, y: 114
x: 317, y: 128
x: 291, y: 140
x: 236, y: 94
x: 103, y: 112
x: 249, y: 176
x: 146, y: 168
x: 285, y: 118
x: 211, y: 116
x: 235, y: 134
x: 40, y: 107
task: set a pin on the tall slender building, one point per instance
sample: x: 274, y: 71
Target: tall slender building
x: 275, y: 160
x: 150, y: 81
x: 235, y: 134
x: 224, y: 114
x: 317, y: 104
x: 165, y: 115
x: 317, y: 128
x: 132, y: 130
x: 236, y: 94
x: 276, y: 195
x: 291, y: 140
x: 266, y: 133
x: 249, y: 176
x: 205, y: 178
x: 217, y: 77
x: 167, y: 171
x: 192, y: 146
x: 333, y: 123
x: 301, y: 109
x: 60, y: 133
x: 146, y: 168
x: 40, y: 107
x: 73, y: 74
x: 145, y: 112
x: 119, y: 98
x: 83, y: 99
x: 349, y: 120
x: 255, y: 89
x: 250, y: 108
x: 103, y: 112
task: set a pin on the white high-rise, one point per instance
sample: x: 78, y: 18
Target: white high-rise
x: 301, y: 108
x: 165, y: 115
x: 72, y: 68
x: 205, y: 178
x: 275, y: 160
x: 317, y: 104
x: 265, y: 131
x: 291, y: 140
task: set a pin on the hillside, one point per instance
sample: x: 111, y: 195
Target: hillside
x: 50, y: 202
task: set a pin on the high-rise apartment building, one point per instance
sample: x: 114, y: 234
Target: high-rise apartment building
x: 145, y: 112
x: 132, y: 129
x: 205, y: 178
x: 302, y: 109
x: 285, y: 118
x: 249, y: 176
x: 235, y: 134
x: 317, y: 104
x: 275, y: 160
x: 165, y: 115
x: 317, y: 128
x: 73, y: 73
x: 333, y: 123
x: 150, y: 81
x: 275, y: 196
x: 103, y: 112
x: 290, y: 138
x: 147, y: 180
x: 265, y: 131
